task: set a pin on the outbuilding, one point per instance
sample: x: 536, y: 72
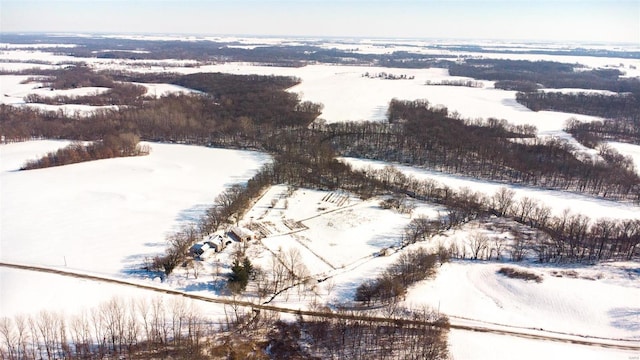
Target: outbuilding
x: 241, y: 234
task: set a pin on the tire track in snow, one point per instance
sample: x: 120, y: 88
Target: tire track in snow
x: 541, y: 334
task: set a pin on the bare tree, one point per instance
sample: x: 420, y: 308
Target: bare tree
x: 23, y: 335
x: 524, y: 209
x: 518, y: 245
x: 478, y: 243
x: 502, y: 201
x: 80, y: 331
x: 9, y: 339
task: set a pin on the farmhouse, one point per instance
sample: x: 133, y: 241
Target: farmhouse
x: 215, y: 242
x: 198, y: 249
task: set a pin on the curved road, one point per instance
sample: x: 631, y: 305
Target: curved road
x: 455, y: 323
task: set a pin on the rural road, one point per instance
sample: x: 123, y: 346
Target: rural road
x: 454, y: 322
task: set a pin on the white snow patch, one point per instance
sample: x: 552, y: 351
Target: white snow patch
x: 160, y: 90
x: 591, y: 306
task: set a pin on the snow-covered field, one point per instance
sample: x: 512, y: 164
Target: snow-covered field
x: 106, y: 216
x: 349, y: 96
x: 85, y: 223
x: 466, y: 345
x: 598, y: 301
x: 594, y: 301
x: 67, y: 295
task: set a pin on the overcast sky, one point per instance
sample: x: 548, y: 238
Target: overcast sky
x: 590, y: 20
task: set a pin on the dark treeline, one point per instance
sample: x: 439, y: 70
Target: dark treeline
x: 78, y: 76
x: 464, y: 83
x: 522, y: 74
x: 624, y: 106
x: 310, y: 51
x: 525, y: 50
x: 261, y: 98
x: 593, y: 133
x: 119, y: 94
x: 527, y: 77
x: 276, y: 121
x: 73, y: 76
x: 419, y: 134
x: 214, y: 51
x: 242, y: 111
x: 410, y: 268
x: 621, y: 113
x: 564, y: 238
x: 121, y: 145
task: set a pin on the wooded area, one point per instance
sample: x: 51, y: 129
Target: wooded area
x: 419, y: 134
x: 177, y: 329
x: 111, y: 146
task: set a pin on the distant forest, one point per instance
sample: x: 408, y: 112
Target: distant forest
x: 305, y: 52
x: 620, y: 109
x: 251, y: 111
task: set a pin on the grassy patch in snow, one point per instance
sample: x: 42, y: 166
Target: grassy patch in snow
x: 519, y: 274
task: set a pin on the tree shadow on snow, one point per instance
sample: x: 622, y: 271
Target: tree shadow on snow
x: 217, y: 286
x: 192, y: 214
x: 385, y: 240
x: 625, y: 318
x: 137, y: 266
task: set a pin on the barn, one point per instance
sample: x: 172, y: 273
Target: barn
x: 239, y: 233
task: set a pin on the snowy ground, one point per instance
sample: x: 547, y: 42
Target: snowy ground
x: 338, y: 238
x: 599, y: 302
x: 579, y: 301
x: 160, y: 90
x: 465, y: 345
x: 592, y: 301
x: 106, y: 216
x: 349, y: 96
